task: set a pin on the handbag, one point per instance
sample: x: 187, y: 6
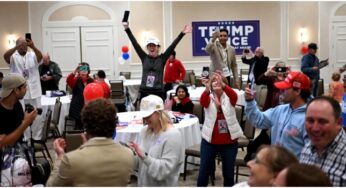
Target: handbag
x: 15, y: 168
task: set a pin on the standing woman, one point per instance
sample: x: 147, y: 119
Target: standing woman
x: 160, y: 153
x: 153, y: 63
x: 181, y: 102
x: 220, y: 130
x: 77, y: 80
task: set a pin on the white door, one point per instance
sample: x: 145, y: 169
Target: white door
x: 339, y: 44
x: 97, y: 49
x: 63, y: 46
x: 69, y: 46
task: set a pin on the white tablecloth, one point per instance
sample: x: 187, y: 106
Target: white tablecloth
x: 188, y: 127
x: 196, y: 93
x: 132, y: 87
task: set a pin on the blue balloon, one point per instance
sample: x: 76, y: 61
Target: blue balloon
x: 126, y: 56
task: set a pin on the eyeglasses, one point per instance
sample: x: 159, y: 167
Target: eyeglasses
x: 257, y: 161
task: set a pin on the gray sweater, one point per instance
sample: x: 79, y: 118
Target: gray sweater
x: 165, y: 157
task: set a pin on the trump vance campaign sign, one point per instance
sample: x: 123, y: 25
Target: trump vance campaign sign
x: 242, y: 34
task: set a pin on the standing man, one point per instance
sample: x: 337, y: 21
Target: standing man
x: 174, y: 72
x: 258, y: 63
x: 222, y: 57
x: 286, y: 121
x: 26, y: 62
x: 327, y: 146
x: 50, y: 74
x: 310, y: 67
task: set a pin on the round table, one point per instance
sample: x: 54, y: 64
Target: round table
x: 189, y: 128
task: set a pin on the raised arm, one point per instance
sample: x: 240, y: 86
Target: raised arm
x: 140, y: 52
x: 36, y: 51
x: 8, y: 53
x: 211, y: 46
x: 169, y: 50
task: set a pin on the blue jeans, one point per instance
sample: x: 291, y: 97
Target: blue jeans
x: 228, y: 153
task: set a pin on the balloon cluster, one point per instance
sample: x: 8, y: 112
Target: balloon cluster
x: 125, y: 55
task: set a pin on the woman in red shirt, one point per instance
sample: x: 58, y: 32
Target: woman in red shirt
x: 220, y: 129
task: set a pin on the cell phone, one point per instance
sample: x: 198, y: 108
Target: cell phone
x: 126, y: 16
x: 217, y: 29
x: 124, y: 144
x: 205, y: 72
x: 280, y: 69
x: 246, y: 50
x: 27, y: 36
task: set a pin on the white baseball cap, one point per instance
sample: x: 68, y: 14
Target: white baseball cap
x: 150, y: 104
x: 153, y: 41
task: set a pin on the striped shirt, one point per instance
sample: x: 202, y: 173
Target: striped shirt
x: 332, y: 161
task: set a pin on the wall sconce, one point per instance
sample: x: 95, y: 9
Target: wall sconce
x: 11, y: 41
x: 303, y: 35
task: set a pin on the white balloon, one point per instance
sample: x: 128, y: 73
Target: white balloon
x: 121, y: 60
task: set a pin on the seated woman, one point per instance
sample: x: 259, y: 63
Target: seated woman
x: 265, y: 167
x: 181, y: 102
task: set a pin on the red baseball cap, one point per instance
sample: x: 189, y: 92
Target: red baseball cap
x: 294, y: 79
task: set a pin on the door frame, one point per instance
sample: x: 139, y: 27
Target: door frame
x: 80, y: 21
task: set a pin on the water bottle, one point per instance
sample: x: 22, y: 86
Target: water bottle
x: 343, y: 109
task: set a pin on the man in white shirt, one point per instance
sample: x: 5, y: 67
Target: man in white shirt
x: 26, y: 62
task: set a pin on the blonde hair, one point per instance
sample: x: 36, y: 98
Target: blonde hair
x: 165, y: 120
x: 224, y: 80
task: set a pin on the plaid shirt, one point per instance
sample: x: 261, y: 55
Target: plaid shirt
x: 332, y: 161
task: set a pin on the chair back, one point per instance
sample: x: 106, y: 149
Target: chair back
x: 198, y: 111
x: 73, y: 140
x: 249, y: 130
x: 70, y: 124
x: 118, y: 93
x: 46, y: 124
x: 127, y: 75
x: 239, y: 111
x: 320, y: 87
x: 192, y: 77
x: 261, y: 95
x: 57, y: 111
x: 187, y: 80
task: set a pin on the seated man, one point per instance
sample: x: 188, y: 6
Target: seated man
x: 99, y: 161
x: 327, y: 146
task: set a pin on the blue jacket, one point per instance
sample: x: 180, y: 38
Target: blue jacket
x: 287, y: 125
x: 309, y: 61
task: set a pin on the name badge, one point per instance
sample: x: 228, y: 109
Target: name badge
x: 226, y: 72
x: 150, y: 81
x: 222, y: 125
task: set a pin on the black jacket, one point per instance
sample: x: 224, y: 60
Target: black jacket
x: 261, y: 66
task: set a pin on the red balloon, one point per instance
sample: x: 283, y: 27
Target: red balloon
x: 125, y: 49
x: 304, y: 49
x: 93, y: 91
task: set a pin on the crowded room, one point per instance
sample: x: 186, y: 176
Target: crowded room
x: 173, y: 93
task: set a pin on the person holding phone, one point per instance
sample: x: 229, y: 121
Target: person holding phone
x: 50, y: 73
x: 275, y: 74
x: 153, y: 63
x: 26, y: 62
x: 222, y: 56
x: 77, y: 80
x: 258, y: 63
x: 220, y: 130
